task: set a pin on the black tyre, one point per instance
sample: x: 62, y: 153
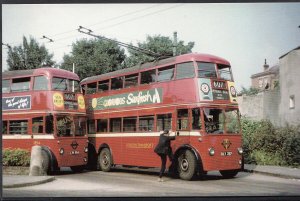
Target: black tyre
x: 78, y: 168
x: 45, y: 163
x: 229, y: 173
x: 187, y: 165
x: 105, y: 160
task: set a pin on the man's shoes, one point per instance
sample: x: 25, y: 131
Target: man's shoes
x: 160, y: 180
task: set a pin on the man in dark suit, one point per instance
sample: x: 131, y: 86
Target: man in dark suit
x: 163, y: 148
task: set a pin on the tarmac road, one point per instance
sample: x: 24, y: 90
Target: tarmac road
x: 125, y: 182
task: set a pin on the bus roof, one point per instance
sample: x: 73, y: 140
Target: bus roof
x: 171, y: 60
x: 49, y: 71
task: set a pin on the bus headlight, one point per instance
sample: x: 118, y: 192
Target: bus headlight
x: 61, y: 151
x: 240, y: 150
x: 86, y: 149
x: 211, y: 151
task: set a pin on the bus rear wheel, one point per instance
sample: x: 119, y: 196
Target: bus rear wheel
x: 229, y: 173
x: 186, y: 165
x: 105, y: 160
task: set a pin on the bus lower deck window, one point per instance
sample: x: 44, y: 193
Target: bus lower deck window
x: 146, y: 123
x: 37, y: 125
x: 163, y: 122
x: 182, y: 119
x: 18, y: 127
x: 91, y: 126
x: 129, y: 124
x: 4, y: 127
x: 196, y: 121
x: 115, y: 125
x: 214, y: 120
x: 102, y: 125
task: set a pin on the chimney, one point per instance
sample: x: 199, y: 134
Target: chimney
x: 266, y: 66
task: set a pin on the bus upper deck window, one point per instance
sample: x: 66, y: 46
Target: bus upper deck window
x: 103, y: 85
x: 185, y: 70
x: 91, y: 88
x: 59, y: 84
x: 20, y: 84
x: 165, y: 74
x: 224, y: 72
x: 5, y: 86
x: 131, y: 80
x: 206, y: 70
x: 117, y: 83
x: 40, y: 83
x: 148, y: 76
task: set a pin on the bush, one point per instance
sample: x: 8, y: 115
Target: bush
x: 16, y: 157
x: 265, y: 144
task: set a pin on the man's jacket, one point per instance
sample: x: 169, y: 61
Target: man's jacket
x: 163, y: 146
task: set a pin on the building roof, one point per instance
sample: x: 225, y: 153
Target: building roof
x: 273, y: 70
x: 297, y: 48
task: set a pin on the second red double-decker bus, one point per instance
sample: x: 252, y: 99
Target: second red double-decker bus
x: 45, y: 107
x: 191, y: 95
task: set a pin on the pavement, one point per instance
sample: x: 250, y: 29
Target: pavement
x: 14, y: 181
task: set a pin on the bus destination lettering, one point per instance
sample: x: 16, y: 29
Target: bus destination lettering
x: 16, y: 103
x: 151, y: 96
x: 220, y: 94
x: 219, y: 85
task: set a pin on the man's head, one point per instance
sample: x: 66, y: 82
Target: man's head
x: 166, y: 132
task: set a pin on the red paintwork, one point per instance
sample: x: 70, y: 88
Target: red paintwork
x: 41, y: 105
x: 182, y: 93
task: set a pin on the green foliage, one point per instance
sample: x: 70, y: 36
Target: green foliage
x: 15, y: 157
x: 158, y: 44
x: 265, y: 144
x: 29, y: 55
x: 249, y: 92
x: 94, y: 57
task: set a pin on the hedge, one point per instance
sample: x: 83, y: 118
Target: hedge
x: 16, y: 157
x: 266, y: 144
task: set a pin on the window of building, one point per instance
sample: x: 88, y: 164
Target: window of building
x: 224, y: 72
x: 91, y: 88
x: 148, y: 76
x: 102, y: 125
x: 206, y: 70
x: 196, y: 121
x: 214, y: 121
x: 117, y: 83
x: 38, y: 125
x: 163, y: 122
x: 18, y: 127
x: 60, y: 84
x: 182, y: 119
x: 146, y: 123
x: 91, y: 126
x: 165, y: 74
x: 185, y: 70
x: 260, y: 83
x: 129, y: 124
x: 115, y: 124
x: 232, y: 121
x: 49, y: 124
x: 5, y: 86
x: 4, y: 127
x: 40, y: 83
x: 131, y: 80
x: 80, y: 126
x: 292, y: 101
x: 20, y: 84
x: 103, y: 85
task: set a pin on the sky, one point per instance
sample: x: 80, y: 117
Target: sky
x: 245, y: 34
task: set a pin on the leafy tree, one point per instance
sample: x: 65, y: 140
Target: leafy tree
x: 94, y: 57
x: 158, y: 44
x: 29, y: 55
x: 249, y: 92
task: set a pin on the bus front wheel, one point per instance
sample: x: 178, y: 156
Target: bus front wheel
x: 229, y: 173
x: 105, y: 160
x: 186, y: 165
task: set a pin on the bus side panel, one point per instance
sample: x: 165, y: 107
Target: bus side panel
x: 224, y: 159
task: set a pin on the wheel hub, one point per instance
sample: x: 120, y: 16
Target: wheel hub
x: 184, y: 164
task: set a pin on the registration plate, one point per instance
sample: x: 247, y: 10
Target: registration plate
x: 226, y: 153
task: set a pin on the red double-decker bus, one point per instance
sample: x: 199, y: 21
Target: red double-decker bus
x: 45, y: 107
x: 192, y: 95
